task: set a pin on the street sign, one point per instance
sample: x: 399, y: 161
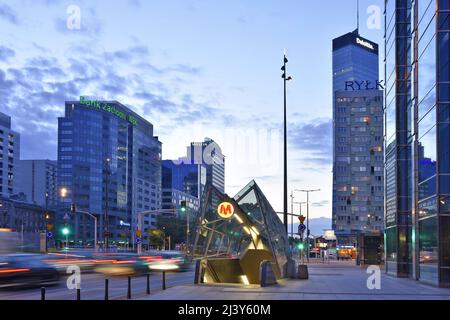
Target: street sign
x: 49, y: 234
x: 138, y: 233
x: 302, y: 219
x: 301, y: 228
x: 138, y: 240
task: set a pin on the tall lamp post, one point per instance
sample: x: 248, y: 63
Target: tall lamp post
x: 307, y: 219
x: 285, y: 187
x: 63, y: 194
x: 106, y: 226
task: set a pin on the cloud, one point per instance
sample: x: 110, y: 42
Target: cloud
x: 8, y: 14
x: 34, y: 91
x: 6, y: 53
x: 314, y: 140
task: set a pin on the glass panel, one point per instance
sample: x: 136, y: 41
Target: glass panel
x: 428, y: 249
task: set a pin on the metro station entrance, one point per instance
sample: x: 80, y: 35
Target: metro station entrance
x: 234, y: 236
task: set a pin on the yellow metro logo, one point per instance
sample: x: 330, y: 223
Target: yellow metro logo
x: 225, y: 210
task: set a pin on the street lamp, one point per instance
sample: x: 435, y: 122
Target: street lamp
x: 285, y: 186
x: 63, y: 192
x: 307, y: 218
x: 75, y: 211
x: 106, y: 234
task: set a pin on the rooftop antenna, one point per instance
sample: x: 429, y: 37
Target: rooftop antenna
x: 357, y: 16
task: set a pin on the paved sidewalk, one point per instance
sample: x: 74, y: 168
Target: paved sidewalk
x: 334, y: 281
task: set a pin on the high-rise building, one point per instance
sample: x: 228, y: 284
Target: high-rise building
x: 9, y: 157
x: 182, y: 182
x: 109, y: 164
x: 209, y: 154
x: 417, y: 136
x: 37, y: 180
x: 357, y: 140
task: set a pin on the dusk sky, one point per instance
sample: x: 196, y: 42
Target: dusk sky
x: 193, y: 68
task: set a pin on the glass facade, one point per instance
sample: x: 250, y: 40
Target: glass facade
x: 182, y: 182
x: 106, y: 153
x: 417, y: 66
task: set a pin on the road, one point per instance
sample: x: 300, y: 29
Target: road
x: 93, y: 287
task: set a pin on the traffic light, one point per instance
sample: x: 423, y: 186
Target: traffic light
x: 301, y: 246
x: 73, y: 208
x: 65, y: 231
x: 183, y: 206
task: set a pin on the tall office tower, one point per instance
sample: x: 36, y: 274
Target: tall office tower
x: 357, y: 140
x: 37, y: 180
x: 209, y: 154
x: 9, y: 157
x: 182, y: 182
x: 417, y: 36
x: 109, y: 164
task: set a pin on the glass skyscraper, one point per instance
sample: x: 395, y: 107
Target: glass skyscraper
x: 417, y: 35
x: 109, y: 163
x: 357, y: 140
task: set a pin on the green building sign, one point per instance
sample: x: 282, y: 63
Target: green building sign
x: 98, y: 105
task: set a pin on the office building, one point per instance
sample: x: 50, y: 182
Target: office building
x: 182, y: 182
x: 357, y: 140
x: 209, y: 154
x: 417, y: 135
x: 37, y: 179
x: 9, y: 157
x: 109, y: 164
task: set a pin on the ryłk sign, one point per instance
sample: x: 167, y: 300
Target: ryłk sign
x: 364, y: 85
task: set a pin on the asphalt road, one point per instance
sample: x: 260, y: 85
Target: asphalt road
x: 93, y: 287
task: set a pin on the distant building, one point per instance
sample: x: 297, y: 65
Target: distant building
x: 109, y: 163
x: 37, y: 179
x: 182, y: 182
x: 209, y: 154
x: 9, y: 157
x: 29, y: 220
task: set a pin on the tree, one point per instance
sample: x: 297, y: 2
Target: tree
x: 156, y: 239
x: 175, y: 227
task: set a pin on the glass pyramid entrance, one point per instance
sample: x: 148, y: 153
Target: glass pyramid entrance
x: 234, y: 235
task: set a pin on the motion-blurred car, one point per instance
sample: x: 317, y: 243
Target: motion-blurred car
x: 26, y: 271
x: 166, y: 261
x: 62, y: 260
x: 120, y: 264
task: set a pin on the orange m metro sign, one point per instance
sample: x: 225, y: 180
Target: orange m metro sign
x: 225, y: 210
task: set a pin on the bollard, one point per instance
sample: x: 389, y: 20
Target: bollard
x: 42, y: 293
x: 78, y: 294
x: 164, y: 281
x: 129, y: 288
x: 148, y: 283
x: 106, y: 289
